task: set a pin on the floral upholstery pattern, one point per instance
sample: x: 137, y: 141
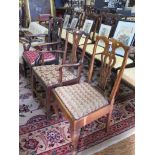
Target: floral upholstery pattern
x: 31, y: 56
x: 49, y: 74
x: 81, y: 99
x: 129, y: 76
x: 21, y: 50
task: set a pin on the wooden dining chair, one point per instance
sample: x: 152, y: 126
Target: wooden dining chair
x: 54, y: 32
x: 51, y: 56
x: 82, y: 103
x: 51, y: 76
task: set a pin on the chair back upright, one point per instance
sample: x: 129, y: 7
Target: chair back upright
x: 108, y: 60
x: 77, y: 34
x: 79, y: 15
x: 55, y: 28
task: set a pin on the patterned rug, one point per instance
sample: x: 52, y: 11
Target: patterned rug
x: 52, y: 137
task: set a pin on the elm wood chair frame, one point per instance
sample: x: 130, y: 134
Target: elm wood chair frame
x: 72, y: 64
x: 77, y: 124
x: 54, y: 40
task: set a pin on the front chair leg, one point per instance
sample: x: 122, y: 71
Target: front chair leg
x: 109, y: 115
x: 75, y: 133
x: 48, y: 103
x: 25, y: 68
x: 33, y: 85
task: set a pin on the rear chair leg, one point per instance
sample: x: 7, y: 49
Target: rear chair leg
x: 48, y: 110
x: 33, y: 85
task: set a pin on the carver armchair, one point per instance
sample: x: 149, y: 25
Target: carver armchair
x: 45, y: 53
x: 82, y: 103
x: 52, y: 76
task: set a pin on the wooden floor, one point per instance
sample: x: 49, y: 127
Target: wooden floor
x: 125, y: 147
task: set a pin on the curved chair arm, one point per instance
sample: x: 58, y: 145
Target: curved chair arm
x: 36, y: 35
x: 53, y: 51
x: 47, y: 44
x: 68, y: 65
x: 27, y: 45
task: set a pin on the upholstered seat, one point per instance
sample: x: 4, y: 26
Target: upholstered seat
x: 81, y: 99
x: 119, y: 59
x: 21, y: 50
x: 36, y: 28
x: 129, y: 76
x: 49, y: 74
x: 31, y: 56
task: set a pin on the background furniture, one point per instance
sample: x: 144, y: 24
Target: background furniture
x: 42, y: 55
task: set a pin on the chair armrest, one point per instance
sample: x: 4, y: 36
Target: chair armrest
x: 36, y: 35
x: 66, y: 65
x: 23, y: 40
x: 98, y: 53
x: 69, y: 65
x: 46, y: 44
x: 53, y: 51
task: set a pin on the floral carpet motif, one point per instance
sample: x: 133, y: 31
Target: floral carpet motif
x: 52, y: 137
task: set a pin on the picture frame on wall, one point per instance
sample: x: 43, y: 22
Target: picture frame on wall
x: 74, y: 23
x: 125, y: 32
x: 66, y: 21
x: 87, y: 26
x: 104, y: 31
x: 35, y: 8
